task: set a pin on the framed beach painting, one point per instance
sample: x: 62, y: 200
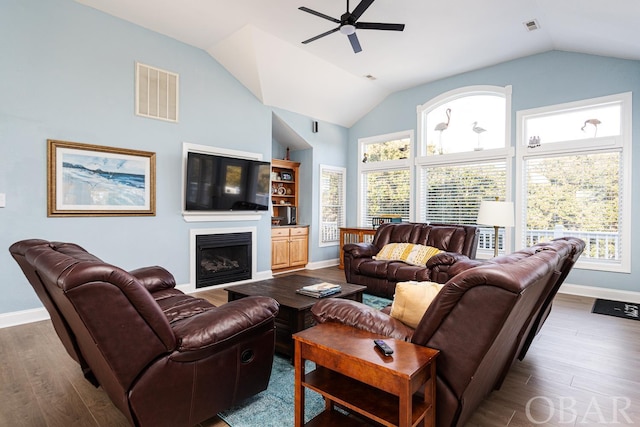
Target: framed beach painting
x: 94, y: 180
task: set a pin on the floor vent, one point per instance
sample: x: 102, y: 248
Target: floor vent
x: 156, y: 93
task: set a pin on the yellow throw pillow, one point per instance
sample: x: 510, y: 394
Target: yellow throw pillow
x: 407, y: 252
x: 412, y: 299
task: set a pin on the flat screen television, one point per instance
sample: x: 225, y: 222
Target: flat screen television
x: 219, y: 183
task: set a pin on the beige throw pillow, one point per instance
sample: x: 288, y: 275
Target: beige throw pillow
x: 412, y: 299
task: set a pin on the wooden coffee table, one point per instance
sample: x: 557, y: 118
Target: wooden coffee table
x: 295, y: 309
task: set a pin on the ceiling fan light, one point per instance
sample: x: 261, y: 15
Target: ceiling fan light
x: 347, y: 29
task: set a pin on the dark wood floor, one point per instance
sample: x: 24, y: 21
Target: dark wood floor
x: 582, y: 370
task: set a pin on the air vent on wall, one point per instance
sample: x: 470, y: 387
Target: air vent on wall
x: 531, y: 25
x: 156, y: 93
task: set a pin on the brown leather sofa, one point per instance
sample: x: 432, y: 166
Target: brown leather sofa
x: 380, y: 277
x: 164, y: 358
x: 478, y: 321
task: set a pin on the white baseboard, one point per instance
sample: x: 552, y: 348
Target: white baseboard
x: 603, y: 293
x: 16, y: 318
x: 323, y: 264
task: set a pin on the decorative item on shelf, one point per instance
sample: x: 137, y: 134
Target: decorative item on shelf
x: 286, y: 156
x: 497, y: 214
x: 282, y: 191
x: 275, y: 220
x: 286, y: 176
x: 289, y: 191
x: 274, y: 176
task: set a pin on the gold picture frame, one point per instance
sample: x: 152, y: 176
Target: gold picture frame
x: 95, y: 180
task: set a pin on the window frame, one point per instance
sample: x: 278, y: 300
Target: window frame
x: 389, y: 165
x: 342, y: 221
x: 607, y: 144
x: 505, y: 154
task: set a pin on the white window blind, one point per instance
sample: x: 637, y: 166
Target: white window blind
x: 332, y: 204
x: 452, y: 193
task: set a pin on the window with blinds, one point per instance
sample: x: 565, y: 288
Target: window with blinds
x: 384, y: 184
x: 452, y: 194
x: 465, y: 157
x: 385, y: 193
x: 332, y: 204
x: 575, y: 195
x: 576, y: 177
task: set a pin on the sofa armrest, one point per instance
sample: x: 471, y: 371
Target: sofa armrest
x: 360, y: 316
x: 446, y: 265
x: 154, y: 278
x: 360, y: 250
x: 221, y: 324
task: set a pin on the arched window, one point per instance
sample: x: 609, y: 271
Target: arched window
x: 465, y: 157
x: 465, y: 120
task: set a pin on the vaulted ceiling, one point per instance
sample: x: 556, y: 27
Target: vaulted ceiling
x: 259, y: 42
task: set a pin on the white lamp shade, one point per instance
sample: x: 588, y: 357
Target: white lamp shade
x: 497, y: 214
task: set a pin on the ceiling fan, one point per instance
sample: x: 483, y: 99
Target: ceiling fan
x: 349, y: 25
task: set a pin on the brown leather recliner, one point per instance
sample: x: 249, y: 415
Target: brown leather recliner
x: 163, y: 357
x: 477, y: 321
x: 380, y: 277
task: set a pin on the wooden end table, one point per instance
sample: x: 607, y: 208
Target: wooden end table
x: 354, y: 235
x: 351, y: 374
x: 295, y: 309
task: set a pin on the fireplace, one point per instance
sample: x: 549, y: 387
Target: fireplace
x: 222, y: 258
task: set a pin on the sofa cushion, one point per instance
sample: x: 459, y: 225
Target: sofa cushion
x: 412, y: 299
x: 410, y: 253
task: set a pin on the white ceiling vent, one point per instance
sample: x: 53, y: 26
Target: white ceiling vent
x: 531, y: 25
x: 156, y: 93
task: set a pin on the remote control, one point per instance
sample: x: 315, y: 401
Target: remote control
x: 383, y: 347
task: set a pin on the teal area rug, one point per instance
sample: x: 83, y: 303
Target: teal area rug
x: 274, y: 407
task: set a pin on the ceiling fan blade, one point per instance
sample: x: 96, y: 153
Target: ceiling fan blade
x: 379, y: 26
x: 355, y: 44
x: 361, y: 8
x: 321, y: 35
x: 321, y: 15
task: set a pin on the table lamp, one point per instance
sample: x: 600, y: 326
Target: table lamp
x: 497, y: 214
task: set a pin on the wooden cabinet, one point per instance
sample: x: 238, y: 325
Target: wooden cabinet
x: 284, y: 186
x: 289, y: 248
x: 289, y: 243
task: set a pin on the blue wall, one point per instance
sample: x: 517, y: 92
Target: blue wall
x: 67, y: 73
x: 539, y: 80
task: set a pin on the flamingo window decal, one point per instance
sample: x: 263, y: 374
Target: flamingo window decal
x: 594, y: 122
x: 442, y: 126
